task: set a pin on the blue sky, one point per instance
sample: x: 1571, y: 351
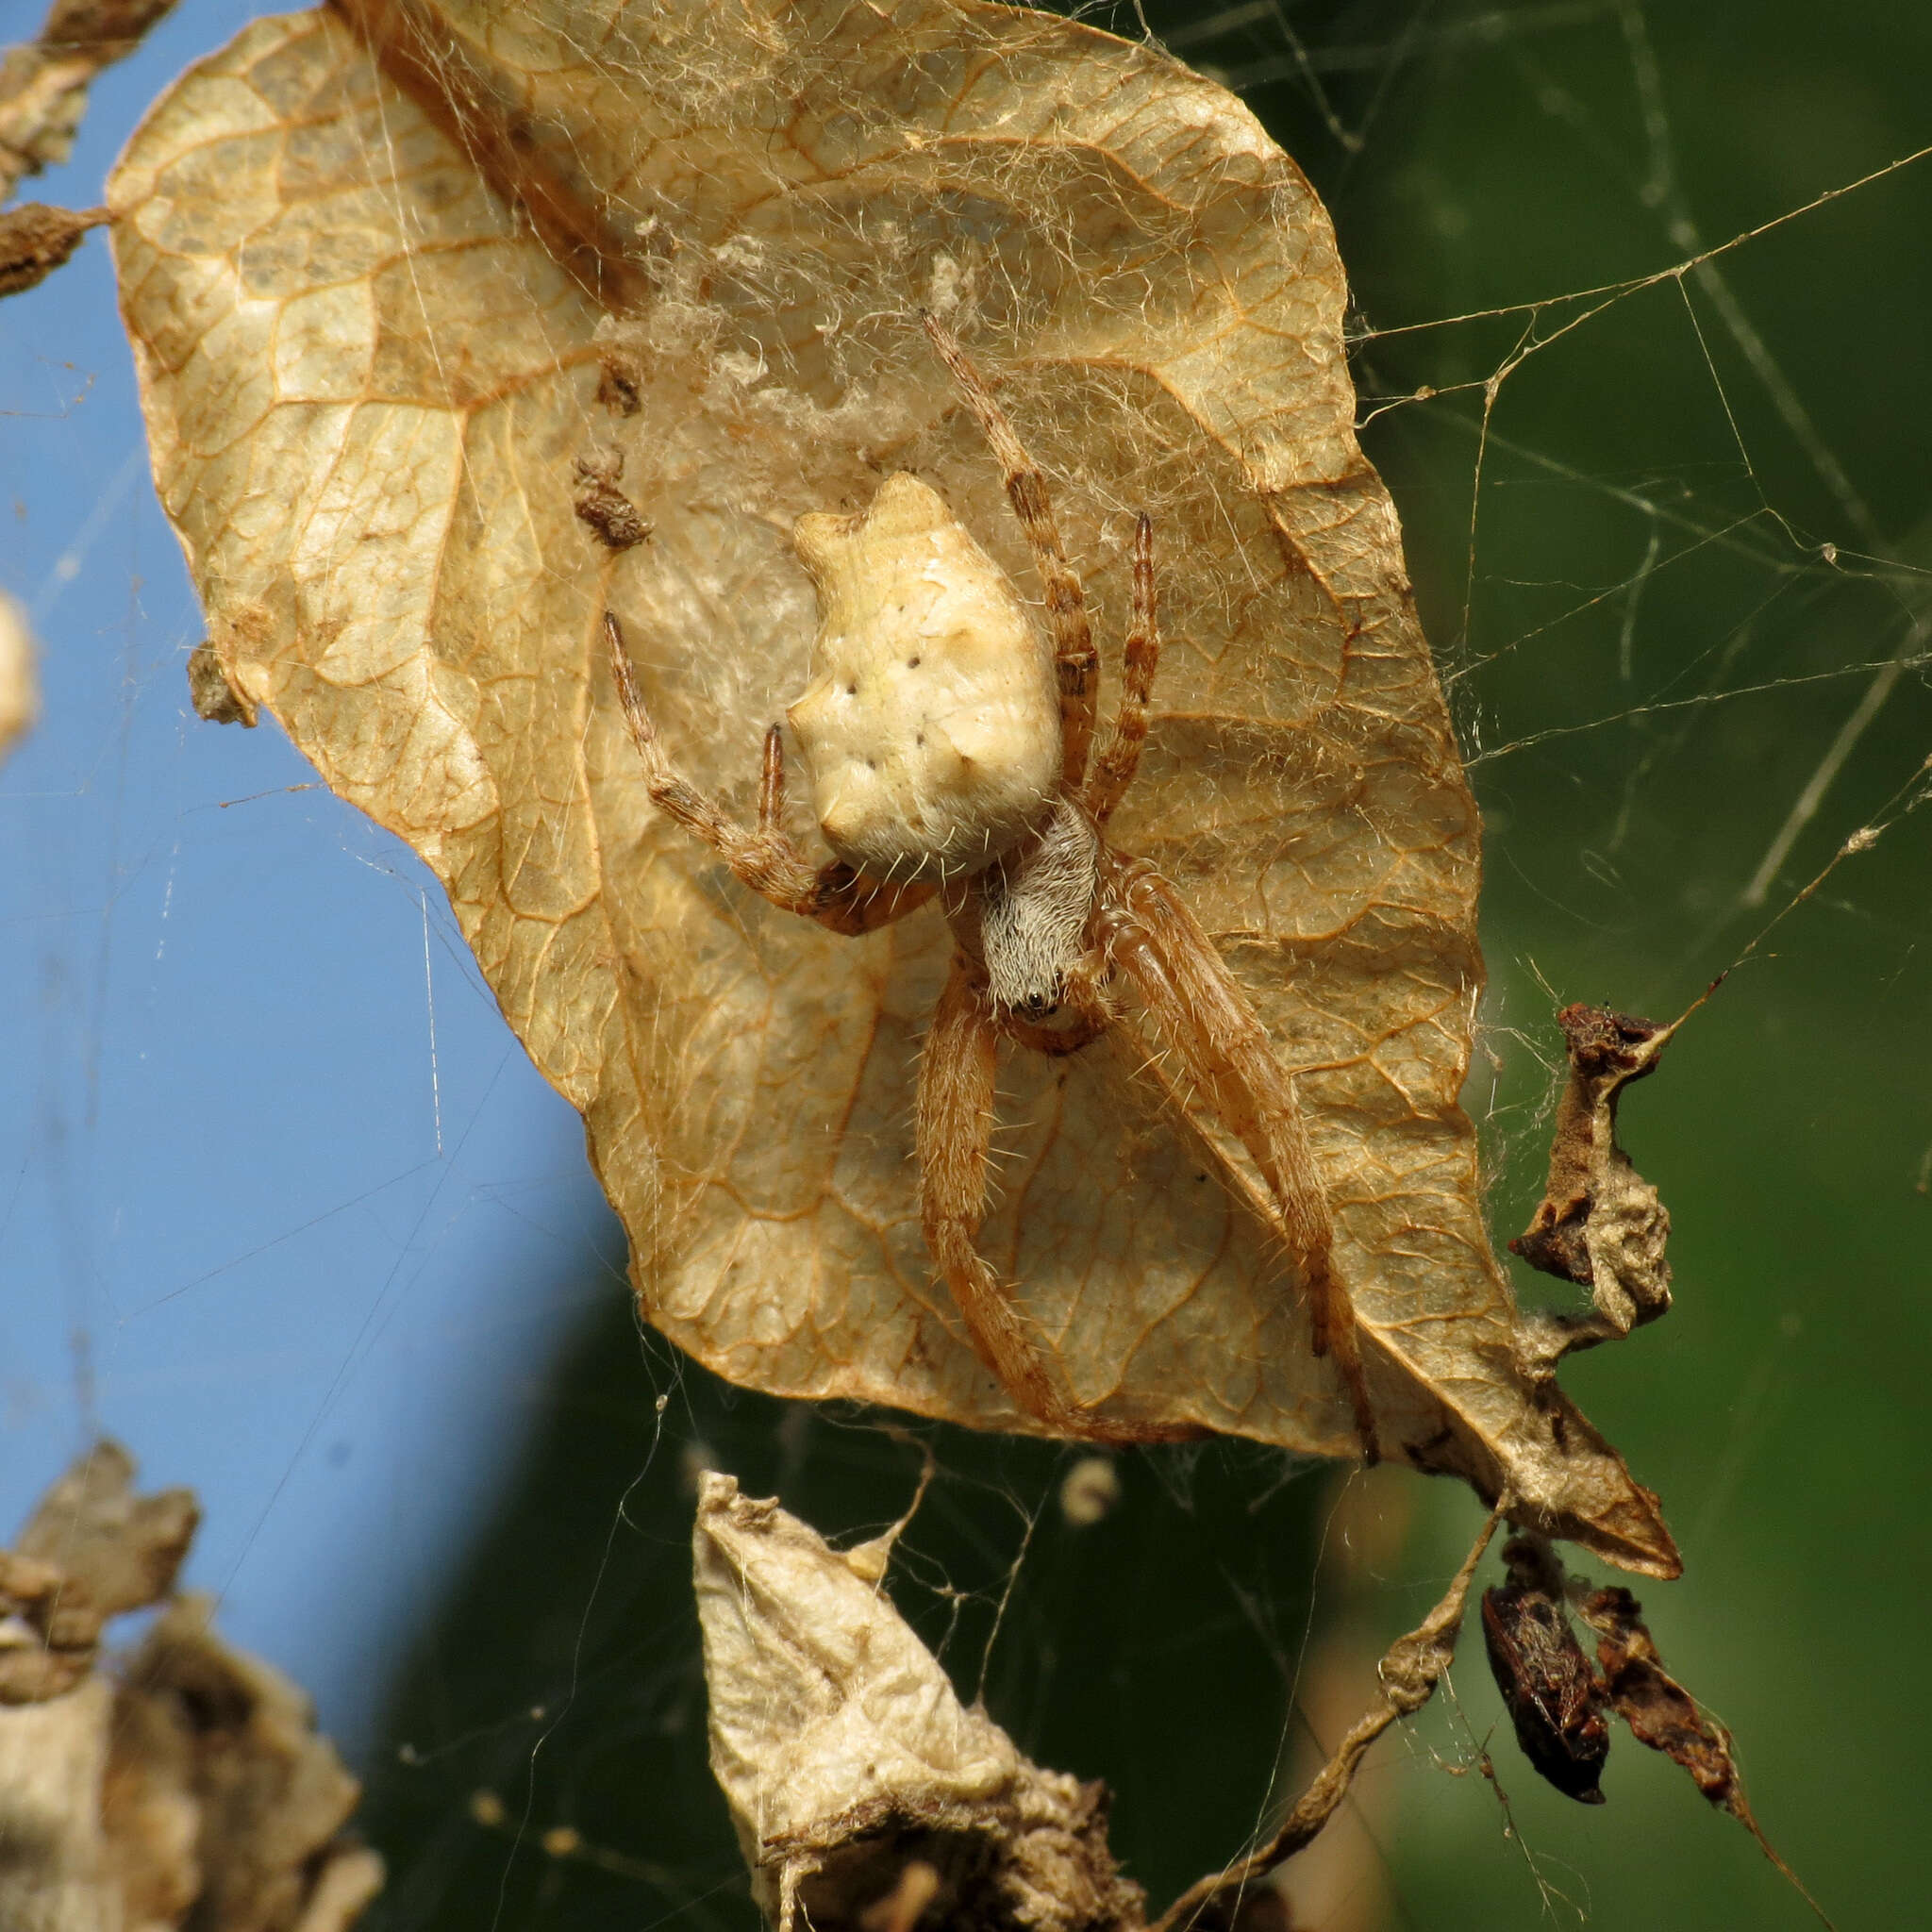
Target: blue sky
x: 286, y: 1208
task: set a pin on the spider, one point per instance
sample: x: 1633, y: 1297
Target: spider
x: 948, y: 746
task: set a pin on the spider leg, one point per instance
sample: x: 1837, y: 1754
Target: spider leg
x: 1199, y: 1008
x: 954, y: 1135
x: 1077, y: 663
x: 766, y: 860
x: 1114, y: 769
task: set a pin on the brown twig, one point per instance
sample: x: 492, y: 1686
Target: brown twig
x: 1410, y: 1672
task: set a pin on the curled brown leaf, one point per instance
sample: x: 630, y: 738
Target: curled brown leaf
x: 1664, y: 1715
x: 1600, y: 1223
x: 1549, y: 1689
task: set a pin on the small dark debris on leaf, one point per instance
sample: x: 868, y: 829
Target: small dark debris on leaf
x: 610, y: 515
x: 35, y: 240
x: 1548, y: 1685
x: 209, y: 690
x: 617, y: 388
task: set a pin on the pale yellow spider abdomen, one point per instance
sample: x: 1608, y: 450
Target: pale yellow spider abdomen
x: 931, y: 725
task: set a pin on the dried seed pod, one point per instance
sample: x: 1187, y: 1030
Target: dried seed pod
x: 1549, y: 1689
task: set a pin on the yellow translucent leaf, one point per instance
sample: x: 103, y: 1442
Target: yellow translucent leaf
x: 407, y: 287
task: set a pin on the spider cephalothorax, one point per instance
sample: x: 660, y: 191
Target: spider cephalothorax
x: 948, y: 743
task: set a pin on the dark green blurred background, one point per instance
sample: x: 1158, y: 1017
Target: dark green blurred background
x: 1702, y: 525
x: 1650, y: 649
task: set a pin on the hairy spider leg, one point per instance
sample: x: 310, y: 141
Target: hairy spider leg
x: 1114, y: 769
x: 835, y: 895
x: 954, y: 1139
x: 1076, y: 660
x: 1197, y: 1006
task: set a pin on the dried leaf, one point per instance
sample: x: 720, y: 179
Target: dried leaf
x: 91, y: 1550
x: 400, y: 279
x: 192, y: 1790
x: 849, y: 1763
x: 1548, y: 1685
x: 221, y: 1797
x: 1600, y: 1222
x: 1660, y: 1711
x: 44, y: 84
x: 122, y: 1549
x: 35, y: 240
x: 1664, y: 1715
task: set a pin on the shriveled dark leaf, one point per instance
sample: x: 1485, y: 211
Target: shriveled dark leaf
x: 1663, y: 1714
x: 1549, y: 1688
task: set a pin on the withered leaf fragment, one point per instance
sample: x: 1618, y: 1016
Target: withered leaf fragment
x: 1600, y: 1223
x: 122, y: 1549
x: 91, y: 1550
x: 35, y: 237
x: 1549, y: 1687
x: 1663, y: 1714
x: 849, y: 1763
x: 394, y: 270
x: 1660, y: 1711
x: 188, y: 1788
x: 43, y: 83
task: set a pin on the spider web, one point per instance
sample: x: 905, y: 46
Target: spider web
x: 1636, y: 318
